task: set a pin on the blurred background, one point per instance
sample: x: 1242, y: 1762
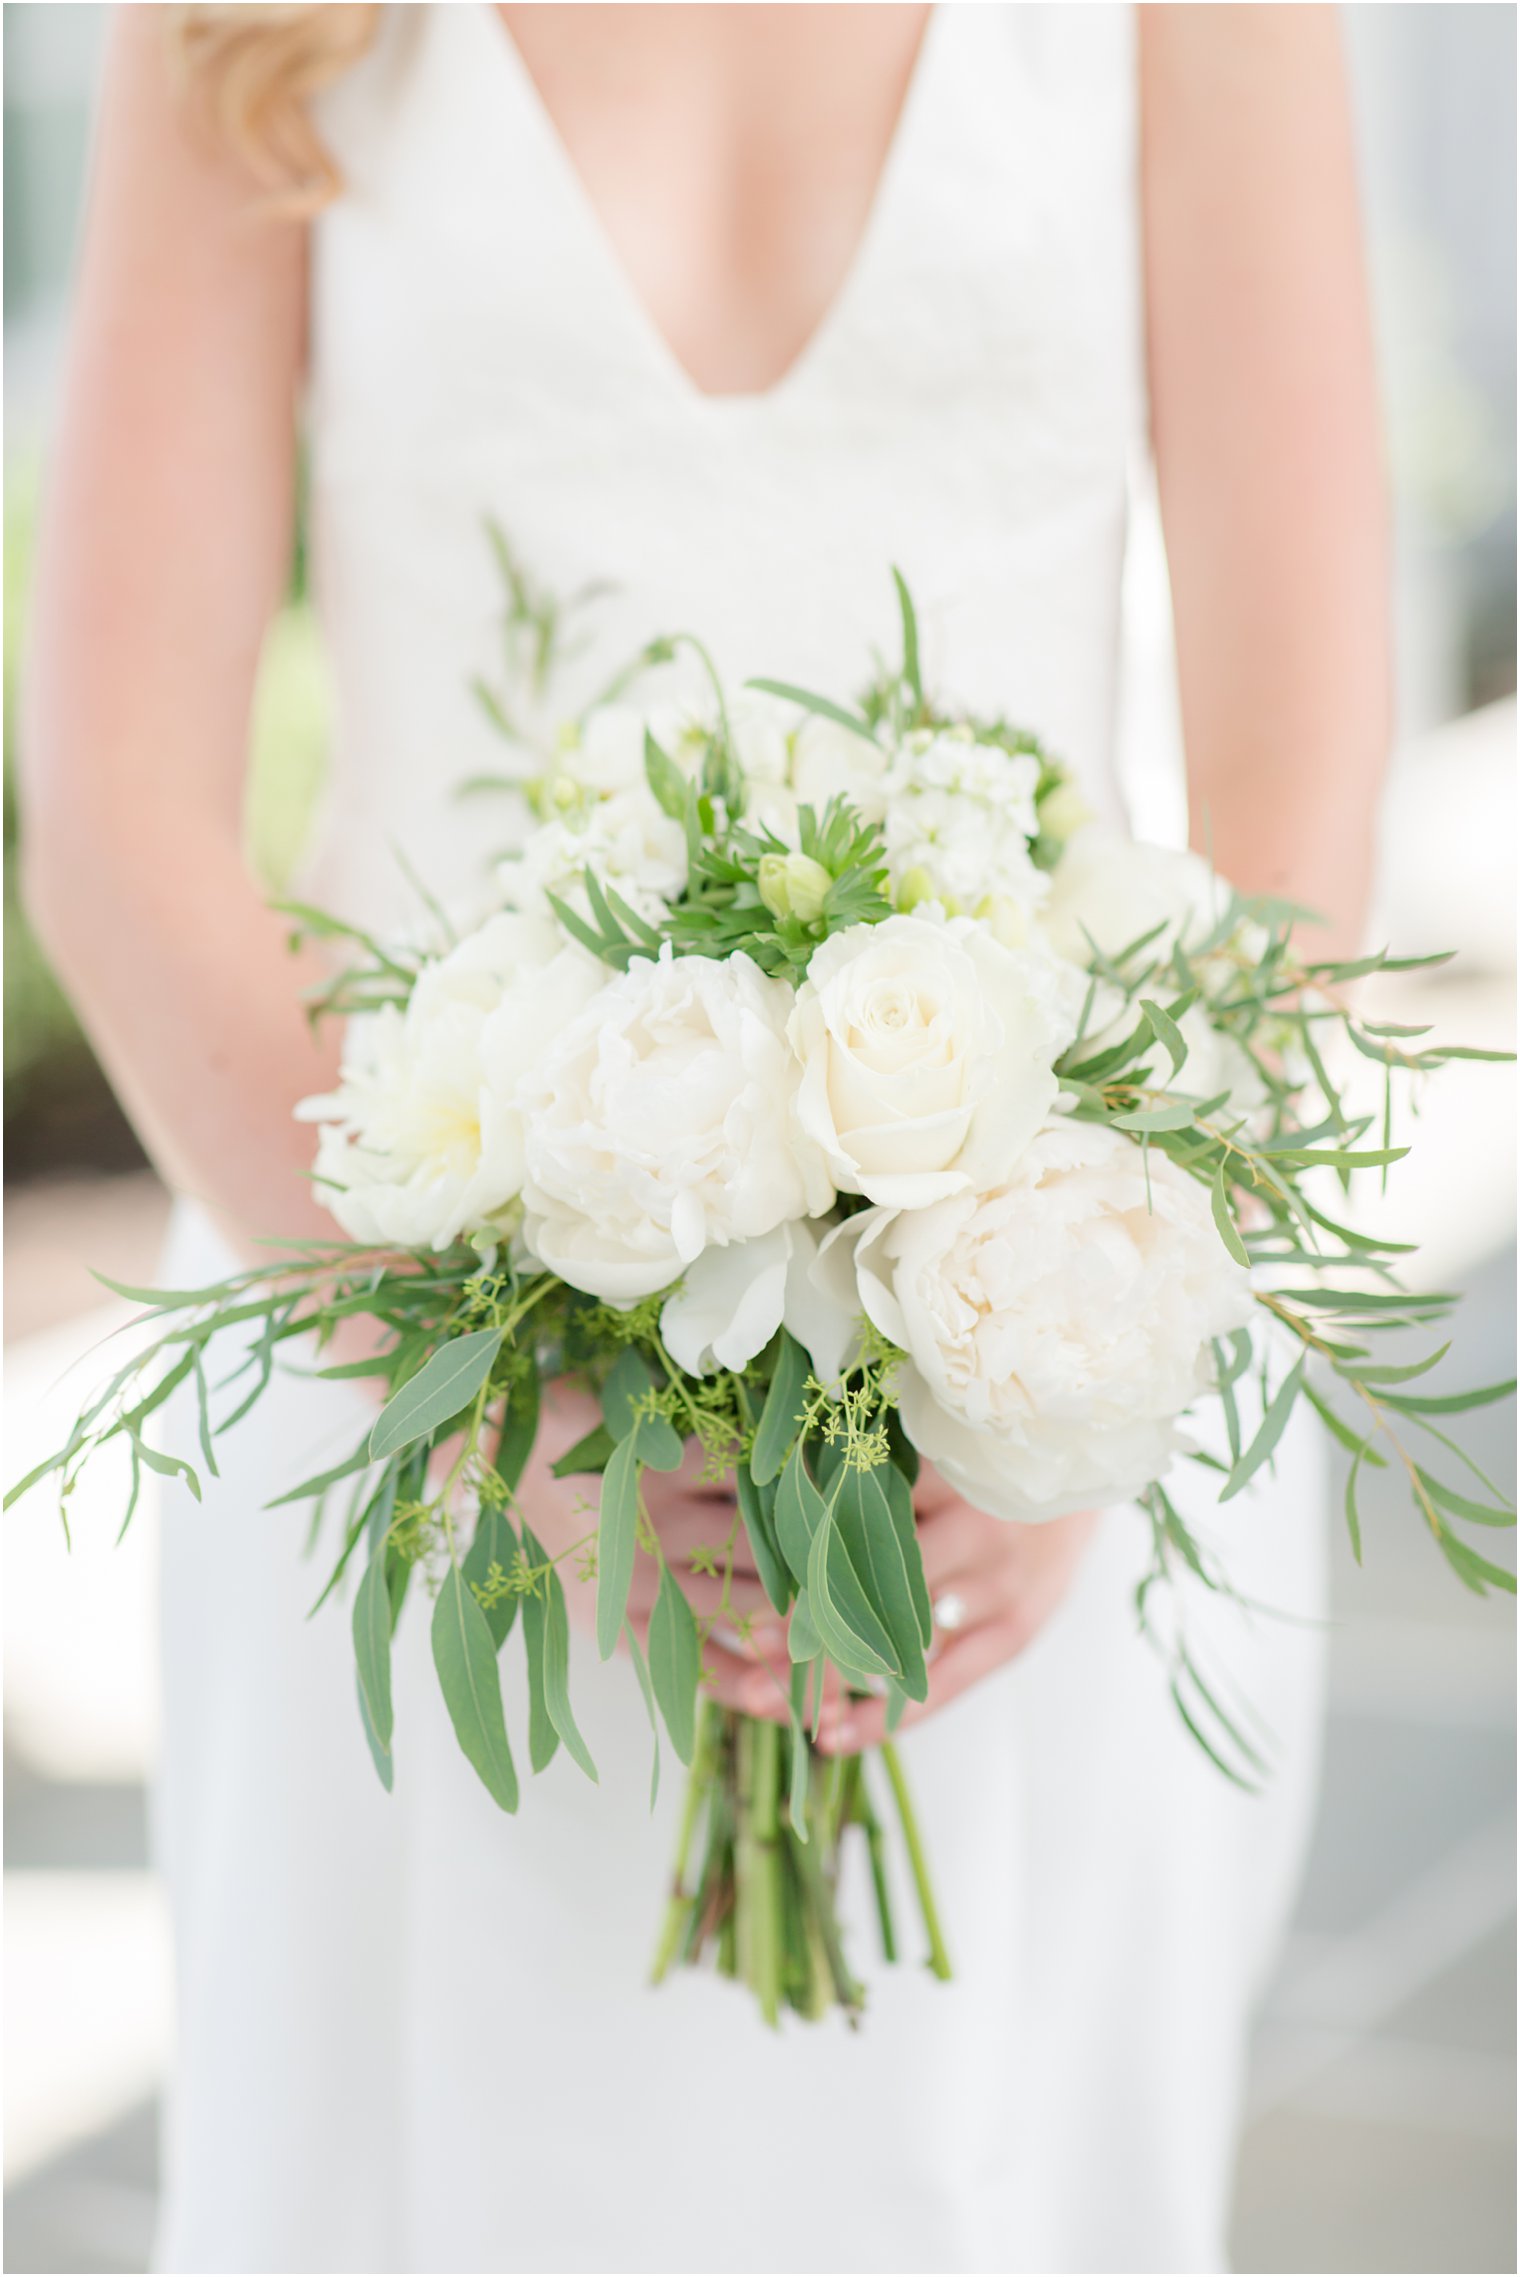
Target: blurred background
x: 1382, y: 2117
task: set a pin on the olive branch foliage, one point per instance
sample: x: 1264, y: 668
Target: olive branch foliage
x: 822, y: 1476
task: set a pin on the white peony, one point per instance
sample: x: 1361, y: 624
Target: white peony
x: 1057, y: 1326
x: 1112, y: 890
x: 960, y: 818
x: 732, y: 1301
x: 423, y: 1140
x: 927, y: 1050
x: 626, y: 840
x: 663, y: 1121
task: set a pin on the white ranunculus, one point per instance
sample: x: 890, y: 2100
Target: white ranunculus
x: 626, y: 840
x: 830, y: 761
x: 423, y: 1140
x: 960, y: 817
x: 1115, y: 889
x: 1057, y: 1326
x: 732, y: 1301
x: 927, y: 1050
x: 662, y: 1122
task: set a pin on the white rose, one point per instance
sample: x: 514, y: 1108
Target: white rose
x: 626, y: 840
x: 732, y: 1301
x: 830, y: 761
x: 960, y: 817
x: 663, y: 1121
x: 1115, y: 890
x: 1057, y: 1326
x: 423, y: 1140
x: 927, y: 1051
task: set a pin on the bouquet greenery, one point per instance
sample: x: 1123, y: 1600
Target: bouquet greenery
x: 828, y: 1092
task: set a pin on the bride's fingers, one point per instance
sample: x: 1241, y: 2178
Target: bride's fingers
x: 953, y: 1537
x: 703, y: 1592
x: 857, y: 1724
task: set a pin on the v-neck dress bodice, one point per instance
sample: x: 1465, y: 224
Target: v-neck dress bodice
x: 967, y: 408
x: 416, y: 2035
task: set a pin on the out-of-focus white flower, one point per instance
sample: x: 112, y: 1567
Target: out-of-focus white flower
x: 1112, y: 890
x: 732, y: 1301
x: 662, y: 1122
x: 793, y: 885
x: 626, y: 840
x: 927, y: 1051
x: 423, y: 1139
x: 830, y: 761
x: 1057, y: 1326
x: 960, y: 817
x: 607, y: 754
x: 1064, y: 811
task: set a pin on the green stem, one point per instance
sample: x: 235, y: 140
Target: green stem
x: 939, y: 1958
x: 677, y: 1912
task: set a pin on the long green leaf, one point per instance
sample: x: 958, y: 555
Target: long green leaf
x: 465, y: 1659
x: 1224, y: 1219
x: 675, y: 1663
x: 617, y: 1541
x: 863, y: 1516
x: 910, y: 670
x: 799, y: 1512
x: 1273, y: 1424
x: 557, y: 1658
x: 372, y: 1646
x: 518, y: 1431
x: 848, y: 1629
x: 756, y: 1508
x: 495, y: 1544
x: 782, y: 1412
x: 1456, y: 1403
x: 437, y: 1393
x: 819, y: 704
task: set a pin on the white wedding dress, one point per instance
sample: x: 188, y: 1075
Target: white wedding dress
x: 415, y: 2034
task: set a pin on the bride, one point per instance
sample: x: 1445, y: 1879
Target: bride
x: 723, y: 308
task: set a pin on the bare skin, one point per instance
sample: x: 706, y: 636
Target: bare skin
x: 733, y: 154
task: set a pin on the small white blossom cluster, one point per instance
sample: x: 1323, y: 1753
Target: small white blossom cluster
x: 880, y: 1136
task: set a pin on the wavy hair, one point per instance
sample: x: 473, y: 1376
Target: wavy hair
x: 250, y: 73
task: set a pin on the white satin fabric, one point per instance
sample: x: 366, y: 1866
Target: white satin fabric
x: 415, y: 2035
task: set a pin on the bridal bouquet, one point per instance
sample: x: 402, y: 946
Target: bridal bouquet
x: 828, y: 1092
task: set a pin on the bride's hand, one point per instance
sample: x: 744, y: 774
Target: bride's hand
x: 694, y: 1521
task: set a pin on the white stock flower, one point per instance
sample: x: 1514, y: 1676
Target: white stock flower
x: 1115, y: 889
x: 927, y: 1051
x: 608, y: 753
x: 960, y: 817
x: 664, y: 1121
x: 1055, y: 1327
x: 732, y: 1301
x: 423, y: 1140
x: 626, y: 840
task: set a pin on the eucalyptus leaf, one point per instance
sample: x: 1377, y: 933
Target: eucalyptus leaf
x: 557, y: 1660
x: 372, y: 1647
x: 675, y: 1663
x: 782, y: 1412
x: 617, y: 1540
x: 465, y: 1658
x: 437, y: 1393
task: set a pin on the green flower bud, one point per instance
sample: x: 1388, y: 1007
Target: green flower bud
x: 1004, y: 918
x: 914, y: 886
x: 794, y: 885
x: 1064, y: 811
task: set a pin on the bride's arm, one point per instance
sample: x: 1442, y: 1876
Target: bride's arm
x: 165, y: 546
x: 1265, y: 427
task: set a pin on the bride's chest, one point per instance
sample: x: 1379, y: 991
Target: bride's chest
x: 468, y: 290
